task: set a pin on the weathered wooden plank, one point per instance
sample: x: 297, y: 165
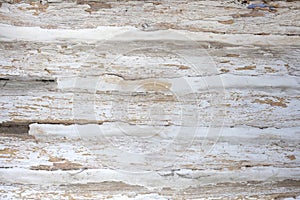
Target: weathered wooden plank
x: 235, y: 158
x: 260, y: 109
x: 69, y: 59
x: 198, y: 16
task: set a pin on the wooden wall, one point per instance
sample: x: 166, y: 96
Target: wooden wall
x: 149, y: 99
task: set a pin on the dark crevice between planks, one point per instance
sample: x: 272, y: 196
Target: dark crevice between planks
x: 29, y: 79
x: 28, y: 83
x: 13, y: 128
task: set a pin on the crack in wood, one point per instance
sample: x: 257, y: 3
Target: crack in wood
x: 14, y: 127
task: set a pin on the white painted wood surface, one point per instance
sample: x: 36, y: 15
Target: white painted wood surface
x: 149, y: 100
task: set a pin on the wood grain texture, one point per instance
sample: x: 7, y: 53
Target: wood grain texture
x: 149, y: 100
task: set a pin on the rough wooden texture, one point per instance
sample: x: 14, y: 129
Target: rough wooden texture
x: 149, y: 100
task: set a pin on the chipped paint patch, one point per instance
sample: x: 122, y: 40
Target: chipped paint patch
x: 176, y: 65
x: 233, y: 55
x: 8, y: 153
x: 280, y: 102
x: 65, y: 165
x: 250, y: 67
x: 230, y: 21
x: 270, y: 70
x: 291, y: 157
